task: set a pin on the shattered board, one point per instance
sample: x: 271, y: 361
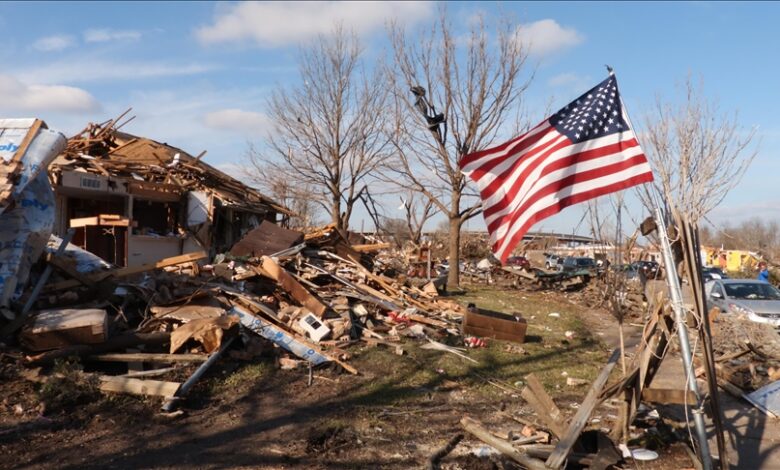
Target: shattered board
x: 278, y: 336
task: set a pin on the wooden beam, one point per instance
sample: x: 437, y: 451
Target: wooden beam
x: 129, y: 271
x: 669, y: 396
x: 564, y: 446
x: 517, y: 454
x: 546, y: 410
x: 133, y: 386
x: 367, y: 248
x: 147, y: 357
x: 296, y: 290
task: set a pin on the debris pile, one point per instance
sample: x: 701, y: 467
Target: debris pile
x: 306, y: 297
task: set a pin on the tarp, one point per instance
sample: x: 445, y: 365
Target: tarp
x: 84, y: 261
x: 26, y: 226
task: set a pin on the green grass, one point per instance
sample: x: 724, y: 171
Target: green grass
x: 413, y: 379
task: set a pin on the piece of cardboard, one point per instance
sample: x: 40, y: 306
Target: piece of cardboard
x: 58, y: 328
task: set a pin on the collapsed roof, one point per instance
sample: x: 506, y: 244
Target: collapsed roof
x: 103, y: 149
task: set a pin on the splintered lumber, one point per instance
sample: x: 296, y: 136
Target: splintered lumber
x: 370, y: 247
x: 517, y: 454
x: 147, y: 357
x: 292, y: 287
x: 562, y: 449
x: 138, y: 386
x: 117, y: 343
x: 545, y: 408
x: 129, y: 271
x: 669, y: 396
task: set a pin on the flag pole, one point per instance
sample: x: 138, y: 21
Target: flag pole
x: 675, y: 294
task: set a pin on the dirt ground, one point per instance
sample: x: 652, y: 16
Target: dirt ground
x: 251, y: 414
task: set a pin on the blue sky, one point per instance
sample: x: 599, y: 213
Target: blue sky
x: 197, y: 74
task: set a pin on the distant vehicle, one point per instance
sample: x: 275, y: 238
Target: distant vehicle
x: 650, y: 269
x: 757, y: 300
x: 572, y: 263
x: 709, y: 274
x: 519, y: 261
x: 629, y: 271
x: 552, y: 261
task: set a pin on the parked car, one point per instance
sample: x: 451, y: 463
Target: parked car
x: 552, y: 261
x: 757, y: 300
x: 650, y: 269
x: 629, y: 271
x: 573, y: 263
x: 709, y: 274
x: 519, y: 261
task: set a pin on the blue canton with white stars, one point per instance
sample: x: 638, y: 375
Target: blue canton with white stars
x: 597, y: 113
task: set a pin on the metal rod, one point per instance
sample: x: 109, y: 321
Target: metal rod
x: 682, y: 331
x: 171, y: 402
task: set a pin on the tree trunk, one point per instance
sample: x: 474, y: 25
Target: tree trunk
x: 453, y: 277
x: 335, y: 212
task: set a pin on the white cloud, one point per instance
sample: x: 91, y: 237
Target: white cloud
x: 80, y: 70
x: 272, y: 24
x: 54, y: 43
x: 16, y: 96
x: 106, y: 34
x: 571, y: 82
x: 237, y: 120
x: 545, y: 37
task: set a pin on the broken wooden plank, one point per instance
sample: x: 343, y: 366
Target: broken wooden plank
x: 116, y: 343
x: 138, y: 386
x: 129, y: 271
x: 669, y: 396
x: 475, y: 428
x: 367, y: 248
x: 296, y: 290
x: 146, y: 357
x: 547, y: 411
x: 582, y: 417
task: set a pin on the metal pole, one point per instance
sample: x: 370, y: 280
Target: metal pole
x: 682, y: 331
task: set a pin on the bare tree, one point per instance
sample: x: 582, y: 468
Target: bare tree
x: 327, y: 130
x: 476, y: 82
x: 418, y: 211
x: 698, y: 154
x: 299, y: 198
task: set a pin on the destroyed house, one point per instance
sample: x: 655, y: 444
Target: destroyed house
x: 132, y: 200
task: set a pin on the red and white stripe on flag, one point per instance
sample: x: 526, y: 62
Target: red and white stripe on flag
x: 560, y: 162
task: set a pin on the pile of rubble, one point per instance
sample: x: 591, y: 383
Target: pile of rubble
x: 310, y: 295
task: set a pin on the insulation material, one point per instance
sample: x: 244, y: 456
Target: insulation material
x: 26, y: 224
x: 24, y: 232
x: 84, y: 261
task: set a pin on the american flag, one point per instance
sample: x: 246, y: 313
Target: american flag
x: 585, y: 150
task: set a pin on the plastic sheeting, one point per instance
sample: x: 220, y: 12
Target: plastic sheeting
x: 26, y: 226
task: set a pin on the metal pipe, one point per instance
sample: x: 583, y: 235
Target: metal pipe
x: 682, y: 332
x: 170, y: 402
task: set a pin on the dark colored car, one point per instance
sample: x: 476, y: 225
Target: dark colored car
x: 519, y: 261
x: 710, y: 274
x: 650, y: 269
x: 572, y: 263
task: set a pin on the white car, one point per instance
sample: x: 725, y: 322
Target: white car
x: 759, y: 301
